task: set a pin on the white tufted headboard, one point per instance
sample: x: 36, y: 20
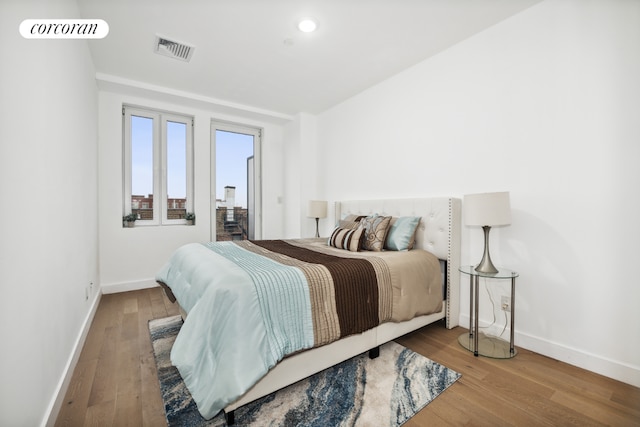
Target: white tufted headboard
x: 438, y: 233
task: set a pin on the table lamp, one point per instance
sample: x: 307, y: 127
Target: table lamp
x: 487, y: 210
x: 317, y: 209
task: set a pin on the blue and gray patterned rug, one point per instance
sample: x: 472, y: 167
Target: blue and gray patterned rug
x: 357, y: 392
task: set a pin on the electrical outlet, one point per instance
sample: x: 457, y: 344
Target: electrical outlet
x: 505, y: 303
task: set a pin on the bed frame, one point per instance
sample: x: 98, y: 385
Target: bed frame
x: 439, y: 233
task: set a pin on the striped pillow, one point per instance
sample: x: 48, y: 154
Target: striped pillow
x: 346, y: 238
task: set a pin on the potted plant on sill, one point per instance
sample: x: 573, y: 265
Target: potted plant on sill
x: 129, y: 220
x: 191, y: 218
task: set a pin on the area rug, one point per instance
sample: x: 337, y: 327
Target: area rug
x: 387, y: 390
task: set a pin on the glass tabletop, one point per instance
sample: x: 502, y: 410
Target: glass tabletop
x: 488, y: 346
x: 503, y: 273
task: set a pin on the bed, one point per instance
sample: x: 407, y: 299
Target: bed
x: 224, y: 334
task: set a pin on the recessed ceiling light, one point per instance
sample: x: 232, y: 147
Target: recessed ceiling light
x: 307, y: 25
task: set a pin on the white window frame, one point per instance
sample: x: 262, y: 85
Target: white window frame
x: 160, y: 119
x: 257, y: 172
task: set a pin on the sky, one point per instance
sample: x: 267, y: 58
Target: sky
x: 176, y: 160
x: 232, y: 151
x: 141, y: 155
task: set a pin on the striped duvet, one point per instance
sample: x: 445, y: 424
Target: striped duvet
x: 251, y: 303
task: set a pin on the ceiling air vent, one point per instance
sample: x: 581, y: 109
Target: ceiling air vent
x: 173, y: 49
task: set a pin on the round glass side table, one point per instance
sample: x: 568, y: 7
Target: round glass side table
x: 475, y: 341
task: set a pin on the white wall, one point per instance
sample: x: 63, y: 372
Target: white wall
x: 48, y: 215
x: 546, y: 106
x: 302, y: 175
x: 293, y: 169
x: 130, y: 257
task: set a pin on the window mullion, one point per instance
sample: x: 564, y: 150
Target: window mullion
x: 127, y: 147
x: 163, y: 168
x: 158, y: 169
x: 190, y: 196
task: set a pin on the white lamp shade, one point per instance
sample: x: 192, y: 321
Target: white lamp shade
x: 487, y: 209
x: 317, y: 209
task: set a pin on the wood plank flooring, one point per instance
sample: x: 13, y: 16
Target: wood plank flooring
x: 115, y: 382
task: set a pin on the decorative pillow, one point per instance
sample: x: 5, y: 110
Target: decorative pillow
x: 402, y: 233
x: 375, y: 232
x: 350, y: 221
x: 343, y: 223
x: 346, y: 238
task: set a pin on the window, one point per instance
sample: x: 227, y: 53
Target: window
x: 158, y: 166
x: 236, y: 163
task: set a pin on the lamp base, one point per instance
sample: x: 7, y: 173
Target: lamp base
x: 317, y: 230
x: 486, y: 266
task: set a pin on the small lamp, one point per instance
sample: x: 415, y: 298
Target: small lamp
x: 317, y: 209
x: 487, y: 210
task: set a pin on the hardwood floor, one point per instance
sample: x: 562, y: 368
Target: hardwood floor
x: 115, y: 382
x: 528, y: 390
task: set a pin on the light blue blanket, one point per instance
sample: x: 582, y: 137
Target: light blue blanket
x: 245, y: 313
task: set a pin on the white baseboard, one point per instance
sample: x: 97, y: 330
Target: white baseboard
x: 113, y: 288
x: 53, y: 410
x: 592, y: 362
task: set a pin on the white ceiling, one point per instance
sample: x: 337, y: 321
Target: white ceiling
x: 250, y: 53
